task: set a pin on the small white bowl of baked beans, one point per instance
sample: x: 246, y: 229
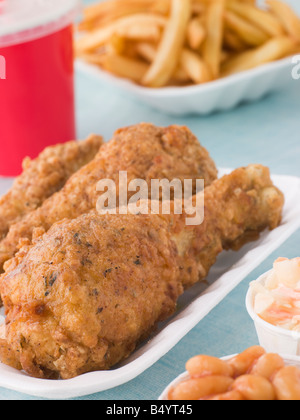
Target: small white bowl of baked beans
x: 253, y: 375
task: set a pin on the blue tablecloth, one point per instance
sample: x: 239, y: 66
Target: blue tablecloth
x: 266, y: 132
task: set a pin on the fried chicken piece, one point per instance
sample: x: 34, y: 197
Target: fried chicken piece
x: 144, y: 151
x: 42, y: 177
x: 87, y: 292
x: 237, y: 208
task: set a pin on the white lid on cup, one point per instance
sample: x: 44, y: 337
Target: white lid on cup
x: 27, y: 20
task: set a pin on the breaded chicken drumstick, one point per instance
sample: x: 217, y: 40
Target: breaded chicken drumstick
x: 143, y: 151
x: 87, y: 292
x: 44, y: 176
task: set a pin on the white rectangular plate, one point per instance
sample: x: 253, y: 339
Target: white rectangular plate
x: 194, y: 305
x: 220, y: 95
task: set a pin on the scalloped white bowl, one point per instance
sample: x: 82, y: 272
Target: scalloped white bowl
x: 289, y: 360
x: 274, y: 339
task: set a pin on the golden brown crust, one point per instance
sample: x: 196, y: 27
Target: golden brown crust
x: 42, y: 177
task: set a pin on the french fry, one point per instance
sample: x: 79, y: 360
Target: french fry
x: 198, y: 8
x: 125, y: 67
x: 93, y: 58
x: 249, y: 33
x: 117, y: 44
x: 286, y: 15
x: 146, y: 50
x: 260, y: 18
x: 98, y: 37
x: 108, y: 11
x: 195, y: 34
x: 274, y: 49
x: 226, y: 56
x: 133, y: 68
x: 191, y: 67
x: 161, y: 6
x: 180, y: 76
x: 212, y: 48
x: 195, y: 67
x: 108, y: 7
x: 170, y: 46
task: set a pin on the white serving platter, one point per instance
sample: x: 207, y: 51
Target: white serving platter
x: 220, y: 95
x: 230, y: 269
x: 289, y: 361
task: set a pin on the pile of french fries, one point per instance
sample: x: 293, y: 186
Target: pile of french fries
x: 158, y: 43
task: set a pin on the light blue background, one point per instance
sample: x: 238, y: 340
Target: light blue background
x: 266, y: 132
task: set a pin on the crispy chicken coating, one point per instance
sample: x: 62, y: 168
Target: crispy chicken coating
x: 44, y: 176
x: 87, y: 292
x: 103, y: 284
x: 144, y: 151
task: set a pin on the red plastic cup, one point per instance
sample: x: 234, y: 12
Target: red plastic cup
x: 36, y: 78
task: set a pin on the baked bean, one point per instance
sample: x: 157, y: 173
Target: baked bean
x: 287, y: 384
x: 228, y: 396
x: 207, y: 365
x: 199, y: 388
x: 254, y: 388
x: 267, y: 365
x: 243, y: 362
